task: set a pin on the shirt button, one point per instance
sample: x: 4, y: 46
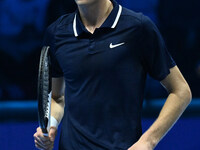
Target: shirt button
x: 91, y: 47
x: 91, y: 44
x: 91, y: 40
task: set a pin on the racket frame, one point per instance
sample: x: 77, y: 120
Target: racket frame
x: 44, y: 97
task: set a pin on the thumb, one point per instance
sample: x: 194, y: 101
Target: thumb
x: 52, y: 133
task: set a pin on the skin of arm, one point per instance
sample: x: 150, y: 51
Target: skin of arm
x: 57, y: 101
x: 178, y: 99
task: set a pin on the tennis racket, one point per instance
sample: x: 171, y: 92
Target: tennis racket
x: 44, y: 90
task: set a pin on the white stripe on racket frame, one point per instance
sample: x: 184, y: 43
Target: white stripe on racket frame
x: 48, y: 112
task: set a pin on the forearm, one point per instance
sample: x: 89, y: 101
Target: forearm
x: 174, y: 106
x: 57, y: 108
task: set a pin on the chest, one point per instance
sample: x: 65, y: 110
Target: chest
x: 97, y: 55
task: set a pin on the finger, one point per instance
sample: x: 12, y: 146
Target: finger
x: 41, y: 137
x: 38, y: 140
x: 43, y: 147
x: 45, y: 143
x: 40, y: 146
x: 40, y: 133
x: 44, y: 138
x: 39, y: 129
x: 52, y: 133
x: 36, y: 137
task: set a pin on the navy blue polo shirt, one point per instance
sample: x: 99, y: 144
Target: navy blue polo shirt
x: 105, y: 75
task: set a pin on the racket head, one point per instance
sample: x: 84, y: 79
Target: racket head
x: 44, y: 89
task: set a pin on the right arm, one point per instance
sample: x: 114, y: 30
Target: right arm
x: 57, y: 101
x: 57, y: 111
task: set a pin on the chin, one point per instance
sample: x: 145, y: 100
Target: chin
x: 84, y: 2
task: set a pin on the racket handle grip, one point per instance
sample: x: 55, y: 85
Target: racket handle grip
x: 46, y: 134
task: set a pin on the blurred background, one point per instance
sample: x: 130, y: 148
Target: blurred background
x: 22, y: 27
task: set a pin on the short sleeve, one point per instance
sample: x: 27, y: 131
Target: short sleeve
x: 49, y: 40
x: 157, y: 60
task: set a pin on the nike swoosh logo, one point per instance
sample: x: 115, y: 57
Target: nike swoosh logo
x: 116, y: 45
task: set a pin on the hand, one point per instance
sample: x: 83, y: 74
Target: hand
x: 140, y: 146
x: 42, y: 142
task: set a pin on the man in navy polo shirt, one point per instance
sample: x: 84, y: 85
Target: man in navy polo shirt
x: 101, y: 55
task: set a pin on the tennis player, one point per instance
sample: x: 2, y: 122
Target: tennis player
x: 101, y: 55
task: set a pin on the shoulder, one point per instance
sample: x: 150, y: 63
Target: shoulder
x: 55, y: 27
x: 64, y: 20
x: 136, y: 18
x: 130, y: 14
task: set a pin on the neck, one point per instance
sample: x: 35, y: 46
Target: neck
x: 93, y: 15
